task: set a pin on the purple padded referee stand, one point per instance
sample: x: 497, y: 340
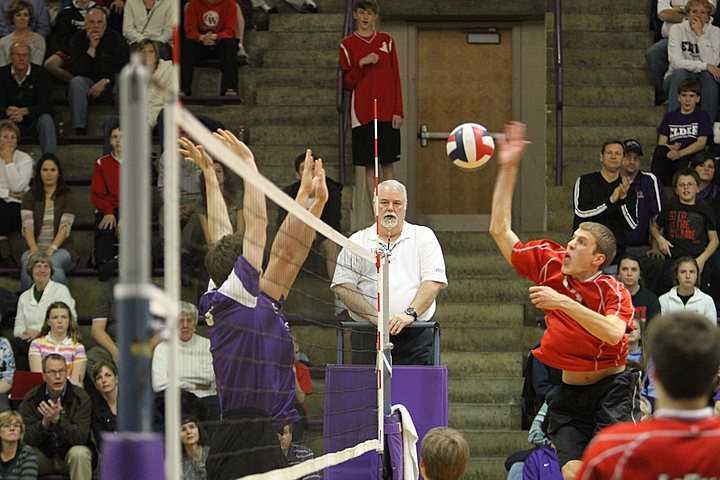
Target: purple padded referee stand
x: 146, y: 450
x: 351, y: 412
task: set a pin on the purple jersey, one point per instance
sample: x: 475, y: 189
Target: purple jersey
x: 251, y: 347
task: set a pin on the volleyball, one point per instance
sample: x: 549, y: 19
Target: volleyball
x: 470, y: 146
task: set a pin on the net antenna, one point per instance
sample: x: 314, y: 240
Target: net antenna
x: 382, y: 262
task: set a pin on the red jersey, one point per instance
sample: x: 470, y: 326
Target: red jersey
x: 676, y: 444
x: 218, y: 17
x: 566, y: 344
x: 105, y: 184
x: 380, y: 80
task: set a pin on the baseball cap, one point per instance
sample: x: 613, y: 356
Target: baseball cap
x: 632, y: 145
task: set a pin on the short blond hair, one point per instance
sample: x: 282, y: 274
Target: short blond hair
x: 10, y: 416
x: 444, y: 453
x: 604, y: 240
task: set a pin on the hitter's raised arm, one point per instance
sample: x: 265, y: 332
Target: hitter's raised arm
x: 510, y: 150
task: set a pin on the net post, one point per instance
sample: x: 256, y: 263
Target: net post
x: 171, y: 237
x: 132, y: 292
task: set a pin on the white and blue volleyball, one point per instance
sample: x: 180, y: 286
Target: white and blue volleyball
x: 470, y: 146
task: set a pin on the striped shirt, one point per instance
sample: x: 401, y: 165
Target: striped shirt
x: 74, y: 352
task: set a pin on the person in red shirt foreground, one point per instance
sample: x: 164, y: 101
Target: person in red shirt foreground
x: 588, y: 316
x: 683, y: 437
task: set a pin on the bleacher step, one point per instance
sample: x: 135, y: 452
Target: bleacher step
x: 484, y: 416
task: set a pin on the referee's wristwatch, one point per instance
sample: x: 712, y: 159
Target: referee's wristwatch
x: 411, y: 311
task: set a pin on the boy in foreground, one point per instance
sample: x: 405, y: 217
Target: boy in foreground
x: 683, y: 437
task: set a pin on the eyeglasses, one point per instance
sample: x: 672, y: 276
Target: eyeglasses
x: 687, y: 185
x: 55, y: 373
x: 11, y: 425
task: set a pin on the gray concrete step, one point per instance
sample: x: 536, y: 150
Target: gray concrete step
x: 495, y: 288
x: 603, y: 96
x: 607, y: 22
x: 292, y: 40
x: 293, y: 96
x: 485, y: 416
x: 603, y: 39
x: 468, y: 266
x: 290, y: 58
x: 488, y: 339
x: 486, y: 468
x: 317, y: 136
x: 602, y: 58
x: 463, y: 365
x: 495, y: 443
x: 484, y: 388
x: 316, y: 23
x: 637, y: 118
x: 473, y: 314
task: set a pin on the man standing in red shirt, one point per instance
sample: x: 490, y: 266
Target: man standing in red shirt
x: 588, y: 315
x: 370, y: 67
x: 683, y: 437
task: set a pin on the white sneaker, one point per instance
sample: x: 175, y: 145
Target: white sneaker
x: 241, y: 52
x: 716, y: 133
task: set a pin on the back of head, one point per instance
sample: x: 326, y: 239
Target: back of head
x: 685, y: 348
x: 444, y: 454
x: 222, y: 256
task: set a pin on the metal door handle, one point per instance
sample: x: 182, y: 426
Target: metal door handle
x: 424, y: 135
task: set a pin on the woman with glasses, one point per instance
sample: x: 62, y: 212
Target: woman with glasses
x: 17, y: 461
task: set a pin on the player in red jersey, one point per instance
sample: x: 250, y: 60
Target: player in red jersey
x: 682, y: 439
x: 588, y: 315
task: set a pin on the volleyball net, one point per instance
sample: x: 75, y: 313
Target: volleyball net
x: 299, y: 261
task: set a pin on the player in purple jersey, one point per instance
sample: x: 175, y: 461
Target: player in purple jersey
x: 250, y: 342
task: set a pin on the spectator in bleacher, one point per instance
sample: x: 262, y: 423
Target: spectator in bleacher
x: 368, y: 59
x: 682, y: 132
x: 96, y: 57
x: 694, y: 48
x: 686, y: 294
x: 104, y: 329
x: 685, y: 229
x: 302, y: 6
x: 709, y: 191
x: 605, y: 197
x: 33, y: 304
x: 196, y: 234
x: 26, y: 97
x: 7, y: 372
x: 22, y: 462
x: 115, y: 9
x: 20, y: 14
x: 195, y: 449
x: 210, y: 31
x: 650, y: 197
x: 194, y: 363
x: 645, y: 302
x: 69, y: 21
x: 57, y: 415
x: 162, y: 79
x: 669, y: 12
x: 60, y: 334
x: 15, y: 174
x: 105, y: 196
x: 296, y: 453
x: 105, y: 400
x: 152, y: 20
x: 48, y: 212
x: 332, y: 214
x: 39, y: 23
